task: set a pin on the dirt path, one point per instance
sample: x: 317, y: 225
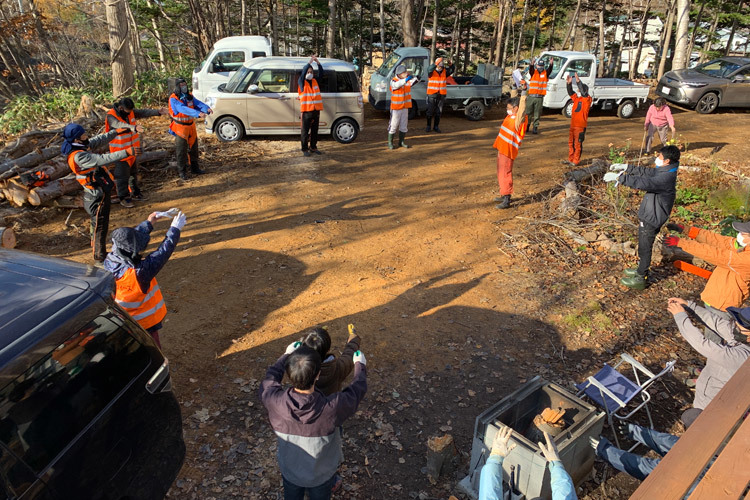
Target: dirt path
x: 404, y: 244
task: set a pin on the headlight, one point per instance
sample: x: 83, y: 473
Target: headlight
x: 694, y: 85
x: 211, y: 102
x: 381, y: 87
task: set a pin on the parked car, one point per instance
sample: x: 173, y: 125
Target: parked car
x: 227, y: 56
x: 606, y: 93
x: 473, y: 94
x: 262, y: 99
x: 86, y: 408
x: 723, y: 82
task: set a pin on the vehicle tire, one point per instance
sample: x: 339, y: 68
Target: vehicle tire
x: 626, y: 109
x: 229, y: 129
x: 708, y: 103
x: 567, y: 110
x: 345, y: 130
x: 474, y: 111
x: 413, y: 111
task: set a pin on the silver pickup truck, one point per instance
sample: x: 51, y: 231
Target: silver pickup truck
x: 471, y: 94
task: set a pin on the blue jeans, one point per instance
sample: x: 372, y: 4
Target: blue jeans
x: 637, y: 466
x: 322, y: 492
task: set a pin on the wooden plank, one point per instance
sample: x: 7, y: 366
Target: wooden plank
x: 728, y: 476
x: 677, y: 471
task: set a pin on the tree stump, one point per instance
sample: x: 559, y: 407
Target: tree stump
x: 439, y: 451
x: 7, y: 237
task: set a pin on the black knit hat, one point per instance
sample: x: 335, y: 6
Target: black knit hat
x: 130, y: 240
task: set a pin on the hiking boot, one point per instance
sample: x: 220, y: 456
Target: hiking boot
x: 139, y: 197
x: 629, y: 273
x: 390, y: 142
x: 534, y: 130
x: 197, y: 171
x: 401, y: 136
x: 337, y: 483
x: 427, y: 128
x: 636, y: 282
x: 436, y: 129
x: 183, y: 176
x: 429, y: 124
x: 505, y: 202
x: 305, y: 153
x: 127, y: 203
x: 316, y: 151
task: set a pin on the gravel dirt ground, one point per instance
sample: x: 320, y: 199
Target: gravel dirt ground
x: 403, y: 244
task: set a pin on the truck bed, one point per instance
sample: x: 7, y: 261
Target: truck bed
x: 617, y: 88
x: 463, y: 92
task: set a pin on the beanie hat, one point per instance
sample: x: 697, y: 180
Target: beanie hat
x: 71, y: 132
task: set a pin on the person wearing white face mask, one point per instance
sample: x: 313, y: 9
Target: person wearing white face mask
x: 311, y: 104
x: 729, y: 284
x: 660, y: 186
x: 507, y: 142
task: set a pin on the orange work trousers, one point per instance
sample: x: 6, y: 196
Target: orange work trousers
x: 575, y: 144
x: 504, y: 174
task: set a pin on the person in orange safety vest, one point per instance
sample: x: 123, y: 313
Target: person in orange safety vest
x: 136, y: 288
x: 507, y: 142
x: 579, y: 118
x: 122, y: 116
x: 311, y: 104
x: 539, y: 76
x: 437, y: 88
x: 400, y: 105
x: 184, y: 109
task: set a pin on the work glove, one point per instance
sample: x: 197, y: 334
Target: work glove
x: 179, y: 221
x: 169, y: 213
x: 359, y: 357
x: 618, y: 167
x: 677, y: 228
x: 500, y: 444
x: 549, y: 450
x: 292, y: 347
x: 671, y: 241
x: 138, y: 151
x: 611, y: 176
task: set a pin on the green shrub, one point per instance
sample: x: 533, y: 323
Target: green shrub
x: 731, y: 201
x: 688, y: 195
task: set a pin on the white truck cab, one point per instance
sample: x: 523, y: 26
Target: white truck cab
x: 227, y: 56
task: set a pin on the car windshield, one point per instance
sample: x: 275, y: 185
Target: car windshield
x: 389, y: 63
x: 557, y: 63
x: 718, y: 68
x: 236, y: 79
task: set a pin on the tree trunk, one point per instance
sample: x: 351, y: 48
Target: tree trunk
x: 681, y: 55
x: 570, y: 36
x: 551, y: 41
x: 274, y: 26
x: 536, y: 27
x: 667, y: 40
x: 420, y: 35
x: 508, y: 32
x: 382, y: 28
x: 331, y: 38
x: 600, y: 73
x: 119, y: 48
x: 501, y: 14
x: 243, y: 17
x: 711, y: 34
x: 641, y: 35
x: 517, y: 55
x: 407, y: 23
x: 728, y: 48
x: 433, y: 44
x: 695, y: 30
x: 30, y: 160
x: 53, y: 189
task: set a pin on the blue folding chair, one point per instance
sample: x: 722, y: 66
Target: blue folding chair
x: 613, y: 391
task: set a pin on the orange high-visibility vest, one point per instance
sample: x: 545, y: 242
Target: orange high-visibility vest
x: 401, y: 97
x: 182, y: 125
x: 124, y: 140
x: 509, y: 139
x: 148, y: 308
x: 538, y: 83
x: 310, y: 98
x: 437, y: 83
x: 84, y: 176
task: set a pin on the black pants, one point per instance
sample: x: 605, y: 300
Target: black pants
x: 125, y: 179
x: 97, y: 202
x: 186, y: 155
x: 646, y: 236
x: 310, y: 123
x: 435, y: 106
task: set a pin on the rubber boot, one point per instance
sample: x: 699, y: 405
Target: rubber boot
x: 401, y: 136
x: 629, y: 273
x: 437, y: 121
x: 505, y: 203
x: 390, y: 142
x: 636, y: 282
x: 429, y: 124
x: 535, y: 130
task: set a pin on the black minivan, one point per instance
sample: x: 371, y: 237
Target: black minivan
x: 86, y: 407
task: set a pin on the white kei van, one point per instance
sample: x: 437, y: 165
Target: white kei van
x: 262, y: 99
x: 227, y: 56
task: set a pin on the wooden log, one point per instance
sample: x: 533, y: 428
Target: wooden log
x: 55, y: 169
x: 597, y: 167
x: 439, y: 452
x: 53, y: 189
x: 25, y: 143
x: 7, y: 237
x: 16, y: 193
x: 30, y: 160
x: 152, y: 156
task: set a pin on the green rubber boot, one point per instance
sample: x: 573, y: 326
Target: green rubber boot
x: 629, y: 273
x: 636, y: 282
x: 401, y: 136
x: 390, y: 142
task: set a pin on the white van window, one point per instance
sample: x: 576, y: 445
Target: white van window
x: 580, y: 66
x: 415, y: 65
x: 259, y: 54
x: 230, y: 60
x: 274, y: 80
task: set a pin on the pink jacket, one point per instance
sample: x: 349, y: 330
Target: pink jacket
x: 659, y: 118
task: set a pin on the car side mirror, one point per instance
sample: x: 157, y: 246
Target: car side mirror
x: 252, y: 89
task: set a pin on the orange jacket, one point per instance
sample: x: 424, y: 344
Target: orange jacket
x: 310, y: 98
x: 148, y: 308
x: 123, y: 140
x: 581, y: 108
x: 401, y: 97
x: 729, y: 284
x: 85, y: 176
x: 437, y: 83
x: 509, y: 137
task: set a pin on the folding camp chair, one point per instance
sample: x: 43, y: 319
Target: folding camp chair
x: 615, y: 392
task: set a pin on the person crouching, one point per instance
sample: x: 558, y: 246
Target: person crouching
x: 137, y: 290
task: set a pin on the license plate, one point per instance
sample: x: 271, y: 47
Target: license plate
x: 665, y: 90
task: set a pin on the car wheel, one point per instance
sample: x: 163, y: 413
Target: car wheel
x: 229, y: 129
x: 474, y: 111
x: 626, y: 109
x: 345, y: 130
x: 567, y: 110
x: 707, y: 104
